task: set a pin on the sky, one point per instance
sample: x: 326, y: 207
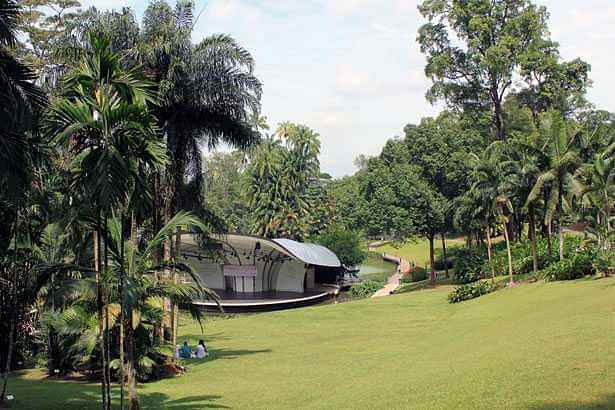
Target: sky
x: 352, y: 70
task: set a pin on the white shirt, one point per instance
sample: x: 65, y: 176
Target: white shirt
x: 200, y: 351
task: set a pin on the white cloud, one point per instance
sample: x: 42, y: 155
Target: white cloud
x: 349, y: 78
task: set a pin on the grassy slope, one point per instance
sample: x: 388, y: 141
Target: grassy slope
x: 536, y: 346
x: 416, y: 251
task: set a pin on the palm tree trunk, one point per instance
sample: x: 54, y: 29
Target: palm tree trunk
x: 99, y: 308
x: 489, y: 252
x: 431, y: 260
x: 560, y: 226
x: 174, y: 309
x: 532, y: 234
x: 129, y: 331
x: 121, y: 313
x: 106, y: 347
x: 510, y: 269
x: 549, y: 229
x: 9, y: 358
x: 444, y: 254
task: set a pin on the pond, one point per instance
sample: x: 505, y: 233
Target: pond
x: 376, y: 269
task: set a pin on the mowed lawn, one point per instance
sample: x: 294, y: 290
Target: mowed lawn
x: 417, y: 251
x: 537, y: 346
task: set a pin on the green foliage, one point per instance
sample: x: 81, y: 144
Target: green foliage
x: 399, y: 203
x: 416, y: 274
x: 346, y: 244
x: 574, y: 266
x: 364, y: 289
x: 473, y: 60
x: 470, y: 291
x: 283, y: 187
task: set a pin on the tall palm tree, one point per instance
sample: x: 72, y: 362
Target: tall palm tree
x: 208, y: 91
x: 103, y: 119
x: 598, y: 194
x: 562, y: 161
x: 20, y: 104
x: 144, y: 282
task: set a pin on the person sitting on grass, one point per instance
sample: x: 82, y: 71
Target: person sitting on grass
x: 201, y: 350
x: 185, y: 352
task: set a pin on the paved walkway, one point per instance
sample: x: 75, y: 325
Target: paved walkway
x: 395, y: 280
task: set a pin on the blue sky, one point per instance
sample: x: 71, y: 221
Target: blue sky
x: 351, y: 69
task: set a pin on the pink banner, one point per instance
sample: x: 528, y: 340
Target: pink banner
x: 240, y: 270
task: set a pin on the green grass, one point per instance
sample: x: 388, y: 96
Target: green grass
x: 416, y: 251
x: 537, y: 346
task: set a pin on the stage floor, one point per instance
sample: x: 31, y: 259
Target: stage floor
x: 270, y: 300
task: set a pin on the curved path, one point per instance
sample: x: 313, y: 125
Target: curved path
x: 394, y: 280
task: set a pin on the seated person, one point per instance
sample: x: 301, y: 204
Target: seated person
x: 201, y: 350
x: 185, y: 352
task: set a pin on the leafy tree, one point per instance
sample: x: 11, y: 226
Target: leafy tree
x: 474, y: 49
x: 45, y: 23
x: 282, y: 183
x: 346, y: 244
x: 399, y: 203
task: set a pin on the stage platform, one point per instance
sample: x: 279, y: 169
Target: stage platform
x: 235, y: 302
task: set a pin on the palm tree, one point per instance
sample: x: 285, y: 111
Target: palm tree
x: 562, y: 161
x: 144, y: 282
x: 598, y: 193
x: 20, y: 104
x: 208, y: 91
x: 104, y: 120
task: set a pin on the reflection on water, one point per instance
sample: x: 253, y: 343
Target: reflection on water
x: 367, y: 269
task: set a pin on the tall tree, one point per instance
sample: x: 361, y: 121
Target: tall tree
x: 104, y: 120
x: 474, y: 48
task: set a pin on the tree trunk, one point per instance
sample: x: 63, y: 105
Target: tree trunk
x: 174, y: 308
x: 444, y: 255
x: 431, y: 260
x: 7, y: 367
x: 121, y: 313
x: 129, y: 333
x: 549, y: 228
x: 498, y: 119
x: 131, y: 362
x: 560, y: 224
x: 489, y: 252
x: 532, y: 234
x: 106, y: 347
x: 99, y: 309
x: 510, y: 269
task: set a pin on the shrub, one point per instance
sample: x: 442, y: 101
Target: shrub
x: 364, y: 289
x: 440, y: 264
x: 415, y: 274
x: 467, y: 267
x: 470, y: 291
x: 575, y: 266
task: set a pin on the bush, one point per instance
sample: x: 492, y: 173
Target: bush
x: 575, y: 266
x: 440, y: 264
x: 417, y: 274
x: 467, y: 266
x: 364, y: 289
x: 470, y: 291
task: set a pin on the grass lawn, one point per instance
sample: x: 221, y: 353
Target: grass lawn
x: 537, y: 346
x: 416, y: 251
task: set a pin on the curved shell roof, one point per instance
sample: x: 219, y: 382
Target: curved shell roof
x: 310, y: 253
